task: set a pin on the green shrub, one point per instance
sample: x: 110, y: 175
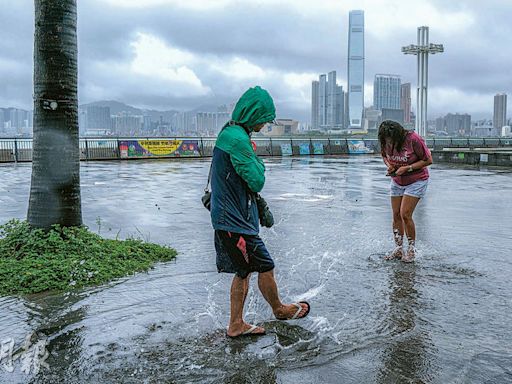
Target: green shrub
x: 32, y: 260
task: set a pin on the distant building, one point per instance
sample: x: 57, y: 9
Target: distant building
x: 2, y: 120
x: 210, y: 123
x: 483, y: 128
x: 405, y: 101
x: 125, y: 124
x: 500, y: 111
x: 458, y: 124
x: 18, y: 118
x: 183, y: 123
x: 484, y: 131
x: 82, y: 122
x: 285, y: 127
x: 392, y: 114
x: 355, y: 69
x: 439, y: 124
x: 372, y: 118
x: 315, y: 106
x: 386, y: 91
x: 322, y: 101
x: 97, y: 118
x: 16, y: 122
x: 454, y: 124
x: 331, y: 99
x: 327, y: 103
x: 146, y: 123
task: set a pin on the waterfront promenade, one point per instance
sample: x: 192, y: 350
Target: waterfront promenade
x: 443, y: 319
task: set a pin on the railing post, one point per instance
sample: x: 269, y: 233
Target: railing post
x: 329, y: 145
x: 291, y: 143
x: 118, y: 150
x: 346, y: 145
x: 86, y: 150
x: 202, y: 147
x: 15, y: 150
x: 311, y: 150
x: 271, y: 149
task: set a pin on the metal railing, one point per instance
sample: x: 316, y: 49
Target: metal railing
x: 96, y: 148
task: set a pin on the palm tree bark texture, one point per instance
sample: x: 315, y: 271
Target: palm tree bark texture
x: 55, y: 184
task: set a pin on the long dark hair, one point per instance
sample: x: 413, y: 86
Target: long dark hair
x: 393, y: 130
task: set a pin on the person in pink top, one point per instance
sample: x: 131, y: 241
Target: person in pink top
x: 407, y: 158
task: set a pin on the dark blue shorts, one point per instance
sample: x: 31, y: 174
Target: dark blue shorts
x: 241, y: 254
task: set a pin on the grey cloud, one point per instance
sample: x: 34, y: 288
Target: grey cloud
x: 275, y: 38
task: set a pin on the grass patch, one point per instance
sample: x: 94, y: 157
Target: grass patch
x: 62, y: 259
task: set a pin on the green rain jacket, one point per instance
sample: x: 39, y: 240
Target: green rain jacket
x: 237, y: 172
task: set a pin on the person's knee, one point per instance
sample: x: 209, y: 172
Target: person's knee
x: 268, y: 267
x: 267, y: 270
x: 243, y: 276
x: 397, y: 216
x: 406, y: 216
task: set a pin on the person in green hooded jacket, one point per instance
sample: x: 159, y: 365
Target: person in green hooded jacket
x: 237, y: 176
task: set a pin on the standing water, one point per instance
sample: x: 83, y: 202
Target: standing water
x: 443, y: 319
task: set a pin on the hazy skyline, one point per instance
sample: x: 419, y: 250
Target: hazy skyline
x: 171, y: 54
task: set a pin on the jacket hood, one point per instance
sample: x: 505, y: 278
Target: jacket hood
x: 254, y: 107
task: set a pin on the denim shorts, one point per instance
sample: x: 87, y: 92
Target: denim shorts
x: 416, y: 189
x: 241, y: 254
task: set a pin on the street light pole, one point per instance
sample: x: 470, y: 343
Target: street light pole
x: 422, y: 50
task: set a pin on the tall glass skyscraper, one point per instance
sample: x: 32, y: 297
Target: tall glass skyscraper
x: 386, y: 91
x: 327, y: 103
x: 500, y: 112
x: 405, y: 101
x: 355, y: 69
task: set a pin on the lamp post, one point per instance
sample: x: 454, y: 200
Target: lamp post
x: 422, y: 50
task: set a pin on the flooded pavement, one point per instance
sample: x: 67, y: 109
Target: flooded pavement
x: 444, y: 319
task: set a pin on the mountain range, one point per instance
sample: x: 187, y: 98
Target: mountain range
x: 117, y: 107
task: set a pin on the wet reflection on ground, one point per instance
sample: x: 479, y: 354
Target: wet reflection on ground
x: 443, y: 319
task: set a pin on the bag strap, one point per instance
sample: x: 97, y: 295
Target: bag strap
x: 209, y: 178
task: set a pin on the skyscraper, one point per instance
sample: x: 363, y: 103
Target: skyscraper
x: 355, y: 68
x: 340, y: 107
x: 327, y: 103
x: 386, y: 91
x: 500, y: 111
x: 331, y: 98
x: 314, y: 104
x: 405, y: 101
x: 322, y: 101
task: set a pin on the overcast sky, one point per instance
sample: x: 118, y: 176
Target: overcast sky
x: 179, y: 54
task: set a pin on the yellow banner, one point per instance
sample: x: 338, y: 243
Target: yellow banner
x: 160, y: 147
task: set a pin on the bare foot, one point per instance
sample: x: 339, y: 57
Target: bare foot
x: 411, y: 254
x: 244, y: 329
x: 397, y: 253
x: 289, y: 311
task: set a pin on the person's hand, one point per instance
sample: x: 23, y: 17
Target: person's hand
x: 402, y: 170
x: 391, y: 169
x: 265, y: 216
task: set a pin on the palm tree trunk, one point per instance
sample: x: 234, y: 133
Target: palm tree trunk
x: 55, y: 186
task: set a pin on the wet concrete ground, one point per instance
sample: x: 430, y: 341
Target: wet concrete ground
x: 444, y: 319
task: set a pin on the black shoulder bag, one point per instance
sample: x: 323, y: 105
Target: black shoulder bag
x: 206, y: 199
